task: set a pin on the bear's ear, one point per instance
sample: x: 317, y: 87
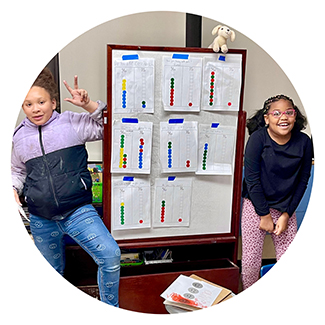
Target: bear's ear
x: 216, y: 29
x: 232, y: 35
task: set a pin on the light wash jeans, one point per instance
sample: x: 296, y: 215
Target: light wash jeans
x: 86, y: 228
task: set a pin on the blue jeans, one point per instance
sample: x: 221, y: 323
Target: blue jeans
x: 86, y: 228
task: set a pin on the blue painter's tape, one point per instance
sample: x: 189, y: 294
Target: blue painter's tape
x: 222, y: 58
x: 130, y: 57
x: 180, y: 56
x: 171, y: 178
x: 129, y: 120
x: 176, y: 121
x: 128, y: 179
x: 214, y: 125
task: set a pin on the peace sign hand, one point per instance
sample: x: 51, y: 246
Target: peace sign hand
x: 79, y: 96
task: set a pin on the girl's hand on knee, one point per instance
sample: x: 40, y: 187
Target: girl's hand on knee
x: 282, y: 224
x: 267, y: 223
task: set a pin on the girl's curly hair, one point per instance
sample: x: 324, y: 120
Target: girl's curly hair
x: 257, y: 120
x: 46, y: 80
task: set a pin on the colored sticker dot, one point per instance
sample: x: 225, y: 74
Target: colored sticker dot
x: 124, y: 93
x: 172, y: 86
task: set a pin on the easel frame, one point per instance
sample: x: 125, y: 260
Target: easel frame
x: 228, y: 238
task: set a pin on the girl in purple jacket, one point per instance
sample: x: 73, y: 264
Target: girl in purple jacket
x: 49, y: 168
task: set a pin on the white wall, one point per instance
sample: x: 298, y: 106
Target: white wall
x: 264, y: 77
x: 86, y: 57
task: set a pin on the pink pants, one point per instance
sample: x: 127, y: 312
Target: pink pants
x: 253, y: 240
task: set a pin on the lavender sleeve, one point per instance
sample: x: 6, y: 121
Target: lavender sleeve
x: 89, y: 127
x: 18, y: 172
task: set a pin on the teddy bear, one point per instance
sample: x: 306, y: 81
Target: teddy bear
x: 220, y: 42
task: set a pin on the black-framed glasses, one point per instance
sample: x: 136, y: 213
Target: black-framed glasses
x: 289, y: 113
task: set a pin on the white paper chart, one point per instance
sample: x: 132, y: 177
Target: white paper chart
x: 178, y: 146
x: 172, y: 202
x: 131, y: 205
x: 132, y: 145
x: 180, y: 139
x: 133, y: 85
x: 221, y: 83
x: 181, y: 84
x: 216, y: 149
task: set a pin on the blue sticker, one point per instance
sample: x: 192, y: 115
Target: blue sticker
x: 130, y: 57
x: 129, y: 120
x: 128, y: 179
x: 176, y: 121
x: 222, y: 58
x: 180, y: 56
x: 214, y: 125
x: 171, y: 178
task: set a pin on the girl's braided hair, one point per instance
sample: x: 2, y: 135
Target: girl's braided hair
x: 257, y: 120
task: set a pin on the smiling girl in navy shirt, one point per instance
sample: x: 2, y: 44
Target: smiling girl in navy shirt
x: 278, y: 159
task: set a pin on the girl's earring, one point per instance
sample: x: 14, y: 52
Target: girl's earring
x: 266, y: 125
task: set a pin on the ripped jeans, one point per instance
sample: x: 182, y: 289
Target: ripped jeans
x: 86, y: 228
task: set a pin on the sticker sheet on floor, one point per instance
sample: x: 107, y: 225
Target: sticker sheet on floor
x: 178, y: 146
x: 133, y: 85
x: 132, y: 145
x: 181, y: 84
x: 221, y: 83
x: 131, y: 203
x: 216, y: 149
x: 172, y: 202
x: 188, y: 291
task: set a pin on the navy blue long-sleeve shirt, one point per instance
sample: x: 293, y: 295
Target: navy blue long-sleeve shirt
x: 276, y: 176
